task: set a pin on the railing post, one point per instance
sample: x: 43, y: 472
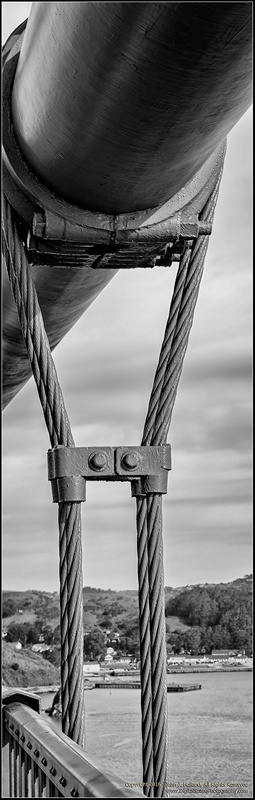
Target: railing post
x: 54, y: 765
x: 10, y: 695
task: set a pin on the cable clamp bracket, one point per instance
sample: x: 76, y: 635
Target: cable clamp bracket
x: 146, y: 467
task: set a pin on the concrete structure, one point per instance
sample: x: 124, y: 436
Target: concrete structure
x: 91, y: 668
x: 221, y: 654
x: 122, y: 664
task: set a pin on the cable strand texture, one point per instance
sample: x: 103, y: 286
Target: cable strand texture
x: 149, y: 514
x: 58, y: 425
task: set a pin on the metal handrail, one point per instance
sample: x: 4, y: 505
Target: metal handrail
x: 43, y: 762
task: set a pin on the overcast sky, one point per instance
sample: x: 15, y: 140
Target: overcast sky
x: 106, y: 366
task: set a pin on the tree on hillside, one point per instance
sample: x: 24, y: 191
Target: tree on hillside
x: 25, y: 633
x: 105, y: 621
x: 28, y: 603
x: 175, y: 641
x: 94, y: 646
x: 192, y: 639
x: 9, y: 607
x: 129, y: 645
x: 221, y: 638
x: 207, y: 639
x: 48, y: 634
x: 21, y: 633
x: 56, y: 639
x: 53, y: 656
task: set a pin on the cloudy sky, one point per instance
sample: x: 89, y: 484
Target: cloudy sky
x: 106, y: 366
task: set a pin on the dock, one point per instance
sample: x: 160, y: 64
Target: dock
x: 186, y: 687
x: 173, y: 687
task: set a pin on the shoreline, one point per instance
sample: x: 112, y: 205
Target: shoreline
x: 184, y: 671
x: 54, y: 688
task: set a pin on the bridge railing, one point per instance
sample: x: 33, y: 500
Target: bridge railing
x: 39, y: 761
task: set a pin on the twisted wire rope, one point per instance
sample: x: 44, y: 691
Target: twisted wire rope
x: 145, y: 649
x: 149, y: 512
x: 157, y: 636
x: 69, y: 515
x: 166, y: 345
x: 178, y: 324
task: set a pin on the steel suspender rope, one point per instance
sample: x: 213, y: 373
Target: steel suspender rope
x: 57, y: 422
x: 149, y: 514
x: 148, y: 493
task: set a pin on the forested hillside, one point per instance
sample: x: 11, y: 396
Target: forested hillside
x: 219, y: 616
x: 198, y: 618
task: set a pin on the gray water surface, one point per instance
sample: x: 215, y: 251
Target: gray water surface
x: 210, y: 734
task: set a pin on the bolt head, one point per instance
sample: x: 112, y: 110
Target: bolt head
x: 130, y: 460
x: 98, y: 461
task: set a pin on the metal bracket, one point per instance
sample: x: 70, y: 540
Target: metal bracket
x: 49, y: 226
x: 69, y: 468
x: 62, y: 244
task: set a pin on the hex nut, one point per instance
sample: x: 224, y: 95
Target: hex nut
x: 98, y: 461
x: 130, y: 460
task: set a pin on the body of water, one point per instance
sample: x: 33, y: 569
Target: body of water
x: 210, y: 734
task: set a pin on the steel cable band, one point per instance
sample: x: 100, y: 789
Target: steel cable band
x: 149, y: 511
x: 58, y: 426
